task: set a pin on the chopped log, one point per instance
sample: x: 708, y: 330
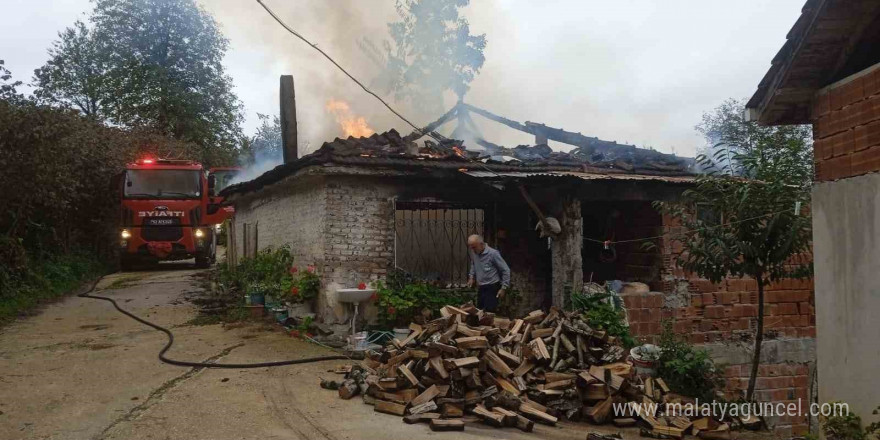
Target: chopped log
x: 472, y: 342
x: 427, y: 395
x: 596, y: 391
x: 488, y: 417
x: 370, y: 400
x: 403, y: 396
x: 450, y: 310
x: 452, y: 364
x: 408, y: 375
x: 386, y: 407
x: 671, y: 431
x: 534, y: 317
x: 348, y: 389
x: 419, y: 354
x: 662, y: 384
x: 505, y: 385
x: 399, y: 358
x: 524, y: 424
x: 649, y: 387
x: 425, y: 407
x: 542, y: 332
x: 468, y: 331
x: 599, y: 413
x: 508, y: 357
x: 509, y: 416
x: 451, y: 410
x: 537, y: 415
x: 539, y: 350
x: 559, y: 384
x: 388, y: 384
x: 523, y: 368
x: 496, y: 364
x: 624, y: 422
x: 437, y: 364
x: 447, y: 425
x: 419, y: 418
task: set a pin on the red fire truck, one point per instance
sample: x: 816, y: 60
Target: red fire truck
x: 170, y: 212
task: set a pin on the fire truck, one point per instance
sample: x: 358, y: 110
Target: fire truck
x: 169, y: 211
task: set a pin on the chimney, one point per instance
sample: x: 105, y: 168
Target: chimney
x: 288, y: 119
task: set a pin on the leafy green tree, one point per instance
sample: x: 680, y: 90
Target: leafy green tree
x: 74, y: 73
x: 8, y: 87
x: 431, y: 51
x: 150, y: 64
x: 728, y: 134
x: 758, y: 227
x: 266, y: 143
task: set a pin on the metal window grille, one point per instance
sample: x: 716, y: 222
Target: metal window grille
x: 431, y: 239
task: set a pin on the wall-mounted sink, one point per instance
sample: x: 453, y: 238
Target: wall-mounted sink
x: 354, y: 295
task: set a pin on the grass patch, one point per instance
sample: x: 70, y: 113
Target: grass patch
x: 44, y: 280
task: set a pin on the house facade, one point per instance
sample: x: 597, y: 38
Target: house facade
x: 358, y: 208
x: 828, y: 74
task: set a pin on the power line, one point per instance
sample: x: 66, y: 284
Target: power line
x: 690, y: 231
x: 315, y: 46
x: 480, y: 163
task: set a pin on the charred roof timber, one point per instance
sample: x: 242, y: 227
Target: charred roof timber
x: 592, y: 158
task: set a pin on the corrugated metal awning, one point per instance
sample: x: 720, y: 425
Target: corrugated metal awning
x: 485, y: 174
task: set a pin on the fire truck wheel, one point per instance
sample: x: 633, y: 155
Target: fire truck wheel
x: 203, y: 262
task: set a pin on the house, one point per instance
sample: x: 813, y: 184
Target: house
x: 357, y: 208
x: 828, y: 74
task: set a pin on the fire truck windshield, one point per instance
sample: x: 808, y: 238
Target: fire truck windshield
x: 162, y: 184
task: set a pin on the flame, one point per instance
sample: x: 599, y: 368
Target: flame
x: 351, y: 125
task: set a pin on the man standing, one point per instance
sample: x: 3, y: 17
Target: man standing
x: 489, y: 271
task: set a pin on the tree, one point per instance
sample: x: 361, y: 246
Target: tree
x: 432, y: 51
x: 266, y: 143
x: 727, y: 134
x: 74, y: 73
x: 8, y: 88
x: 757, y: 226
x: 149, y: 64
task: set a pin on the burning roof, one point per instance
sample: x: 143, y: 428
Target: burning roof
x: 391, y: 150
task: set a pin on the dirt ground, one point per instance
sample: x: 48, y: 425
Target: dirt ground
x: 80, y: 370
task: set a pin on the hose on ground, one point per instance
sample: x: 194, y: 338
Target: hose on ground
x: 170, y: 342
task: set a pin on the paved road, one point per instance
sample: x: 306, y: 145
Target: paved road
x: 80, y: 370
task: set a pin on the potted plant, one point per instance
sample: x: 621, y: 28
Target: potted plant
x: 302, y: 287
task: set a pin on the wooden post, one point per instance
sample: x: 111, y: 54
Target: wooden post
x: 288, y: 119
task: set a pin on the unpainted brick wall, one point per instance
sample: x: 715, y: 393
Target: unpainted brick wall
x: 846, y: 128
x: 726, y: 312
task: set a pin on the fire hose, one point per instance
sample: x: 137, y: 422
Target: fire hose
x: 170, y: 342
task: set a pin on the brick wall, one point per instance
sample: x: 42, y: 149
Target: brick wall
x: 722, y: 318
x: 846, y: 127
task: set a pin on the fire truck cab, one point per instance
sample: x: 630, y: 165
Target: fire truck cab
x: 169, y: 212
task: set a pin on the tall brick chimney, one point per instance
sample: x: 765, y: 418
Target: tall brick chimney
x: 288, y: 119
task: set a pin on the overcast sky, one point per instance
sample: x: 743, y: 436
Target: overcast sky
x: 634, y: 71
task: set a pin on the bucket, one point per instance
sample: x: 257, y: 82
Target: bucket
x: 280, y: 314
x: 258, y: 299
x: 645, y: 358
x: 358, y: 341
x: 401, y: 333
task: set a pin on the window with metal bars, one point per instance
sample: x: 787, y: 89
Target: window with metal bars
x: 430, y: 239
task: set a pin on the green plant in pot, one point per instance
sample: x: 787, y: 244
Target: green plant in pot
x: 302, y: 286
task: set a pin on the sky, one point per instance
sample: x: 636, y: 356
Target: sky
x: 633, y: 71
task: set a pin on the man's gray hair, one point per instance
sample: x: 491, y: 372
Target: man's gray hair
x: 475, y: 238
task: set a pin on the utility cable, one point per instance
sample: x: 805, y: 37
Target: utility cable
x: 170, y: 342
x: 689, y: 231
x: 315, y: 46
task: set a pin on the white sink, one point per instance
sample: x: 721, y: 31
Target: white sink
x: 354, y: 295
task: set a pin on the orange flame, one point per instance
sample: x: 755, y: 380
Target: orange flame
x: 351, y: 125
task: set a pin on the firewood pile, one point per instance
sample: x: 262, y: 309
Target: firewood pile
x: 471, y: 366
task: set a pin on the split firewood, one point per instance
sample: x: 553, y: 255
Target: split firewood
x: 390, y: 408
x: 447, y: 425
x: 420, y: 418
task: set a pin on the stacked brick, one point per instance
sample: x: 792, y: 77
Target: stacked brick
x: 846, y: 128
